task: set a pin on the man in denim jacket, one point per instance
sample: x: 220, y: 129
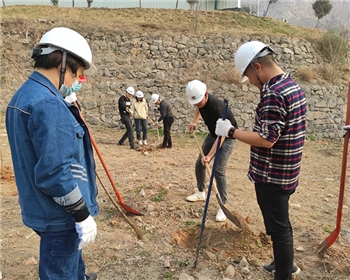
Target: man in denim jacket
x: 52, y: 155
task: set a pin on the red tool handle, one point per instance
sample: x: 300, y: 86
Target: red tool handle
x: 102, y: 160
x: 344, y: 165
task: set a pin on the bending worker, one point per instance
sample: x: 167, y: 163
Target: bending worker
x: 210, y: 108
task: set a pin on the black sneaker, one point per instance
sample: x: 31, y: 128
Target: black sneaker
x: 270, y: 268
x: 120, y: 144
x: 161, y: 147
x: 91, y: 276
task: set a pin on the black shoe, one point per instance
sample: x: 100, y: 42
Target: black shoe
x: 120, y: 144
x: 270, y: 268
x: 169, y: 146
x: 161, y: 147
x: 91, y: 276
x: 134, y: 147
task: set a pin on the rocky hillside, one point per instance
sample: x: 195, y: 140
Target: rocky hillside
x: 300, y: 12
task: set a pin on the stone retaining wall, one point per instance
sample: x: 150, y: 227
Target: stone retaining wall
x: 164, y: 64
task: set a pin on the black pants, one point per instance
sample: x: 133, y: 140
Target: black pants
x: 129, y: 132
x: 167, y: 127
x: 273, y: 202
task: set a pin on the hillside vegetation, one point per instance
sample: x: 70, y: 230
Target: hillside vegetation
x: 102, y: 22
x: 156, y: 20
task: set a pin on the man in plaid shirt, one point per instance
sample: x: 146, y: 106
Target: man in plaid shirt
x: 277, y: 142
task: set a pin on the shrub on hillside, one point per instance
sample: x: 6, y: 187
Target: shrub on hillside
x: 306, y: 74
x: 334, y: 48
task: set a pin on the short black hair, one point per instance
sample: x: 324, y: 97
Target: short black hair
x: 54, y: 59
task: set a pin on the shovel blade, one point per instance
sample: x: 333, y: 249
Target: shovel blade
x: 329, y: 240
x: 235, y: 218
x: 130, y: 210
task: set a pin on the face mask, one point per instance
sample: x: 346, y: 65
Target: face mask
x: 65, y: 91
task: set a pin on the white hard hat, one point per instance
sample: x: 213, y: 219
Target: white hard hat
x: 246, y: 54
x: 62, y: 38
x: 130, y: 90
x: 139, y: 94
x: 195, y: 91
x: 155, y: 97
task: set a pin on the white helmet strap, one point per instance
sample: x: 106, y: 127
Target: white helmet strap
x: 36, y: 52
x: 49, y: 49
x: 265, y: 51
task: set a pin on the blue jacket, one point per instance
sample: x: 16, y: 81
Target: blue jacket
x: 52, y: 155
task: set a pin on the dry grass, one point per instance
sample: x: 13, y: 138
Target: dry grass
x: 306, y: 74
x: 331, y: 73
x: 229, y: 76
x: 154, y: 20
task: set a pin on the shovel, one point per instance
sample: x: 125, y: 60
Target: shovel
x: 209, y: 190
x: 121, y: 202
x: 334, y: 235
x: 155, y: 119
x: 232, y: 216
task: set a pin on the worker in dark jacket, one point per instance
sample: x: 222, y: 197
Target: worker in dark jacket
x: 166, y: 115
x: 124, y: 105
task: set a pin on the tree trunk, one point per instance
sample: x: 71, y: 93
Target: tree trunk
x: 216, y: 4
x: 73, y: 3
x: 3, y: 3
x: 317, y: 23
x: 177, y: 4
x: 267, y: 9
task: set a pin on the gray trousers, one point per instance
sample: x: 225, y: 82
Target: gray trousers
x: 220, y: 177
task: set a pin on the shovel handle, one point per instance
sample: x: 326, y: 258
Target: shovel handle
x: 344, y: 165
x: 334, y: 235
x: 102, y: 160
x: 206, y: 164
x: 209, y: 188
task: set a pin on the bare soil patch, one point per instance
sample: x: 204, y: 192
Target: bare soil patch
x: 171, y: 226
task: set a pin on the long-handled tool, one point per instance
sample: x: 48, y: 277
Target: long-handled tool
x: 136, y: 229
x: 155, y: 119
x: 121, y: 202
x: 334, y: 235
x: 235, y: 218
x: 209, y: 188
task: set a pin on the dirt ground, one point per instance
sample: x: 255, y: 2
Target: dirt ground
x: 156, y: 184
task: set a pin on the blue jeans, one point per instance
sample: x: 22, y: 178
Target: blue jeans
x: 60, y: 258
x: 141, y: 123
x: 220, y: 176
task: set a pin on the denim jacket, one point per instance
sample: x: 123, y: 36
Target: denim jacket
x: 52, y: 155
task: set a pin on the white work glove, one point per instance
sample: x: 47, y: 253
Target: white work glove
x: 87, y: 231
x: 155, y: 108
x: 223, y: 127
x: 345, y: 130
x: 71, y: 98
x: 156, y: 123
x: 127, y: 103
